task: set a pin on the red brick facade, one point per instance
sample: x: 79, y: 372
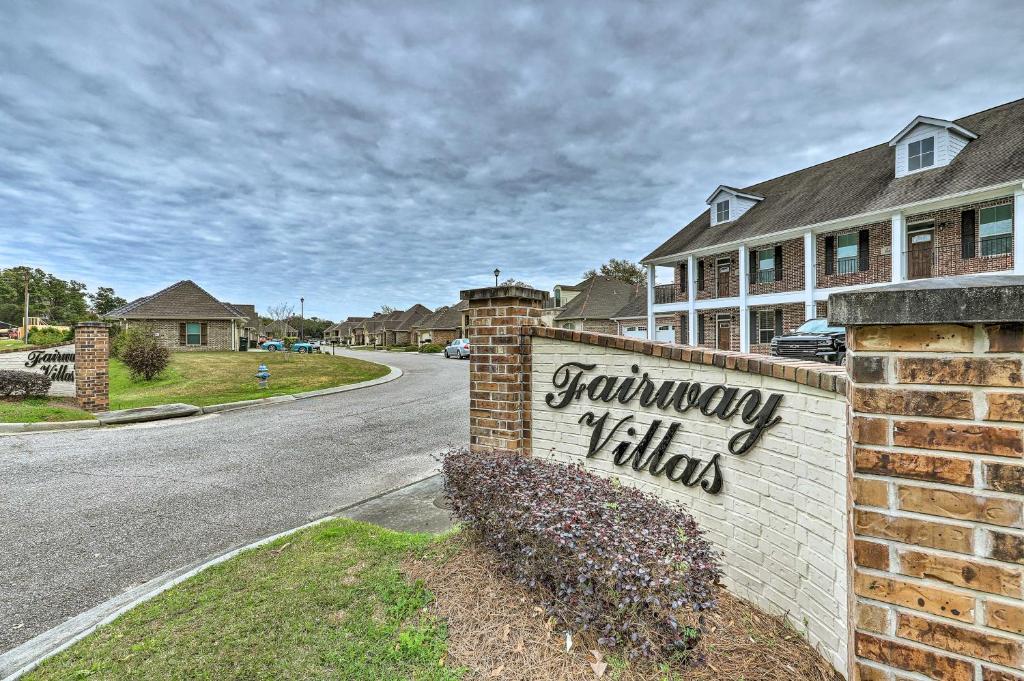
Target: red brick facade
x: 949, y: 254
x: 789, y: 268
x: 712, y: 287
x: 879, y: 259
x: 92, y: 366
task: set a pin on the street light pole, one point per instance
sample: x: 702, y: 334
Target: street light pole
x: 302, y: 318
x: 25, y: 338
x: 497, y: 272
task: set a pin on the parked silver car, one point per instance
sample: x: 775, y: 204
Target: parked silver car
x: 458, y: 348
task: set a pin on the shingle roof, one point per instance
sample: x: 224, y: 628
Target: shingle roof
x: 279, y: 328
x: 636, y: 307
x: 865, y: 182
x: 600, y: 297
x: 407, y: 320
x: 183, y: 300
x: 447, y: 317
x: 249, y: 312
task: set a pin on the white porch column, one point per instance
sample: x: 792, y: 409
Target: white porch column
x: 899, y: 242
x: 691, y: 300
x: 810, y: 274
x: 1018, y: 231
x: 651, y: 328
x: 744, y: 309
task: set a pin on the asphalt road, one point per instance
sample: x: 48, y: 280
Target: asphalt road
x: 85, y: 515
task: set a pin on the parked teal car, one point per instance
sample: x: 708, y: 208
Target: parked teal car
x: 304, y: 347
x: 273, y: 345
x: 301, y: 347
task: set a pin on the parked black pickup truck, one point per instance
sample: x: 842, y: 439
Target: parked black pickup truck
x: 814, y: 339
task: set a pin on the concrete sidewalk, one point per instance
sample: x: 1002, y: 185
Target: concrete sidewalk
x: 416, y: 508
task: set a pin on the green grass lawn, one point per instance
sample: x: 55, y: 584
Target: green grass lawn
x: 40, y: 409
x: 6, y: 343
x: 328, y: 602
x: 203, y: 378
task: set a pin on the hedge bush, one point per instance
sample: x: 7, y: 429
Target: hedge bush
x: 142, y: 353
x: 604, y: 557
x: 47, y: 335
x: 18, y: 383
x: 431, y: 347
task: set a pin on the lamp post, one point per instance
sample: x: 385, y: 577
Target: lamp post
x: 302, y: 318
x: 496, y: 273
x: 25, y: 338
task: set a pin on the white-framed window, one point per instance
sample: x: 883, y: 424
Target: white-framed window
x: 847, y: 246
x: 995, y: 230
x: 722, y: 211
x: 569, y: 325
x: 766, y: 266
x: 765, y: 326
x: 921, y: 154
x: 193, y: 333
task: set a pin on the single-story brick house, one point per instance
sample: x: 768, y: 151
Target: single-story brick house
x: 186, y: 318
x: 593, y: 304
x: 444, y: 325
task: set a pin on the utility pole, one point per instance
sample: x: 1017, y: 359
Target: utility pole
x: 302, y: 318
x: 25, y: 337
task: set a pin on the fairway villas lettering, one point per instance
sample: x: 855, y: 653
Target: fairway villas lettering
x: 715, y: 401
x: 59, y: 366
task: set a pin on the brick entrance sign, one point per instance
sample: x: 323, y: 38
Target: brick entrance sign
x: 882, y: 511
x: 92, y: 365
x: 937, y: 410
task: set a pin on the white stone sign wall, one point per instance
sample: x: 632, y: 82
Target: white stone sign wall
x: 57, y: 362
x: 777, y: 511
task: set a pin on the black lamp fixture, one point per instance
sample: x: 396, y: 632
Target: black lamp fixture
x: 497, y: 272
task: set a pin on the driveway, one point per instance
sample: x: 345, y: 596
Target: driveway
x: 85, y: 515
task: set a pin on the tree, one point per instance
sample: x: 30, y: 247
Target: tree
x: 105, y: 300
x: 280, y: 314
x: 386, y: 309
x: 514, y: 282
x: 56, y: 300
x: 629, y: 272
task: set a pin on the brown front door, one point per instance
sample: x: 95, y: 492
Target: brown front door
x: 919, y: 253
x: 724, y: 334
x: 723, y: 278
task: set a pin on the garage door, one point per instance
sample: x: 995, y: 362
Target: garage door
x: 635, y: 331
x: 666, y: 333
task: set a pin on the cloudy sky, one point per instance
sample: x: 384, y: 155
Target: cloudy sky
x: 388, y: 152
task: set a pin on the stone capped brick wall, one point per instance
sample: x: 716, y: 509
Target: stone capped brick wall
x: 92, y: 366
x: 937, y: 419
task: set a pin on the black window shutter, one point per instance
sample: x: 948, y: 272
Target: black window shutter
x: 682, y: 277
x: 778, y: 263
x: 778, y: 322
x: 830, y: 254
x: 700, y: 275
x: 752, y: 269
x: 202, y: 333
x: 863, y: 250
x: 967, y: 234
x: 753, y: 327
x: 181, y: 333
x: 700, y: 326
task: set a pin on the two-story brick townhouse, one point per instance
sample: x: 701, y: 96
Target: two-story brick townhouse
x: 940, y: 198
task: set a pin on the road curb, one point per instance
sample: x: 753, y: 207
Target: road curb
x: 27, y: 656
x: 20, y: 428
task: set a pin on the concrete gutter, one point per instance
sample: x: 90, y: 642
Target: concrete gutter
x: 26, y: 657
x: 146, y: 414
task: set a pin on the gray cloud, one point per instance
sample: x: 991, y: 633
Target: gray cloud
x: 361, y: 154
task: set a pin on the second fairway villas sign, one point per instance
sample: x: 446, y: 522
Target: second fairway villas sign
x: 620, y: 439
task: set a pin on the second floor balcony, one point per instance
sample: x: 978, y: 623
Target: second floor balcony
x: 926, y: 259
x: 666, y: 293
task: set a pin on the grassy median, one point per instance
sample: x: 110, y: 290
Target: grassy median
x: 203, y: 378
x: 328, y: 602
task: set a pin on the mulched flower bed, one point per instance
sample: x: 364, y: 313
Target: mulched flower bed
x: 496, y: 630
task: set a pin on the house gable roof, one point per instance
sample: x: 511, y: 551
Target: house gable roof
x: 183, y: 300
x: 865, y: 182
x: 444, y: 318
x: 937, y: 122
x: 731, y: 190
x: 247, y: 311
x: 600, y: 297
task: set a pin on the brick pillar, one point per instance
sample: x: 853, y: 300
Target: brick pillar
x: 499, y: 371
x: 936, y: 524
x: 92, y: 363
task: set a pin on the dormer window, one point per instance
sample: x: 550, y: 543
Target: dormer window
x: 722, y: 211
x: 921, y: 154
